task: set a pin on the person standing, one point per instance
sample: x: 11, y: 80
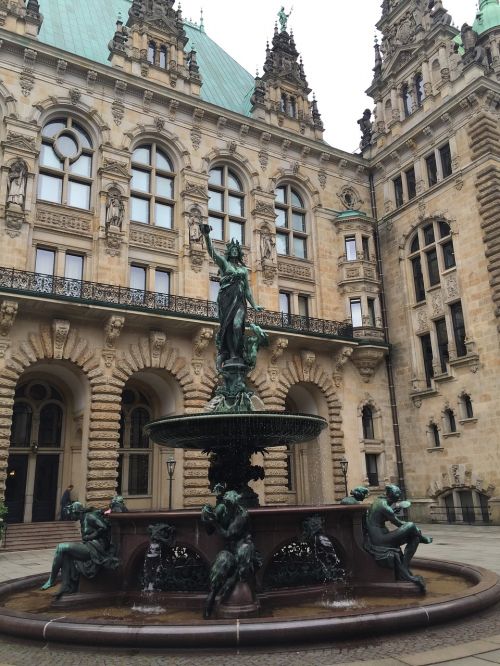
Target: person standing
x: 65, y: 500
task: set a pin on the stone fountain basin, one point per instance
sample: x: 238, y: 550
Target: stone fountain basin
x: 253, y: 429
x: 484, y: 591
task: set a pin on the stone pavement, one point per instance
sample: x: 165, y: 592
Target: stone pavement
x: 472, y: 641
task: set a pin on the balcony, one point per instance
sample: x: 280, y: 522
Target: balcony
x: 51, y: 287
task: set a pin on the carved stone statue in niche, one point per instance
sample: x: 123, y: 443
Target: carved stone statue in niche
x: 18, y: 176
x: 194, y: 221
x: 267, y: 245
x: 115, y: 211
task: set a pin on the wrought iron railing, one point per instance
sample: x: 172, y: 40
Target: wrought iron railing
x: 50, y: 286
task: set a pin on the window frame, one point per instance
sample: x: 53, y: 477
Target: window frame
x: 227, y: 193
x: 289, y: 209
x: 126, y: 451
x: 150, y: 195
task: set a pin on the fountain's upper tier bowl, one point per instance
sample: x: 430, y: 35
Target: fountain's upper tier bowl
x: 252, y: 429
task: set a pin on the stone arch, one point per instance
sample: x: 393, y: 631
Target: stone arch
x: 43, y: 111
x: 163, y: 136
x: 243, y: 163
x: 303, y: 182
x: 61, y: 342
x: 274, y: 394
x: 460, y: 476
x: 434, y: 217
x: 8, y: 101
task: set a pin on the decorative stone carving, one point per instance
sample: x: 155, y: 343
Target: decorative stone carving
x: 61, y: 68
x: 62, y: 221
x: 265, y: 209
x: 172, y: 109
x: 195, y: 218
x: 349, y: 198
x: 202, y: 340
x: 8, y: 312
x: 91, y: 80
x: 422, y: 320
x: 157, y: 342
x: 115, y: 168
x: 278, y: 347
x: 194, y: 190
x: 196, y: 137
x: 114, y: 240
x: 437, y: 303
x: 322, y: 178
x: 367, y: 360
x: 60, y: 330
x: 14, y: 222
x: 113, y: 329
x: 293, y: 270
x: 267, y: 245
x: 75, y: 96
x: 20, y: 142
x: 339, y: 361
x: 17, y: 178
x: 308, y: 360
x: 115, y: 210
x: 152, y: 239
x: 27, y: 76
x: 451, y: 286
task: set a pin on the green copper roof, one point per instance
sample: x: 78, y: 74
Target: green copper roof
x: 488, y: 16
x: 85, y: 27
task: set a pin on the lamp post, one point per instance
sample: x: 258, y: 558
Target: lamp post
x: 171, y: 463
x: 344, y: 465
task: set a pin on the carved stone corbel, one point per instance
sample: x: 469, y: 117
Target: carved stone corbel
x: 60, y: 330
x: 8, y: 312
x: 367, y: 360
x: 277, y: 349
x: 157, y: 342
x: 200, y: 343
x: 339, y: 361
x: 112, y: 330
x: 308, y: 360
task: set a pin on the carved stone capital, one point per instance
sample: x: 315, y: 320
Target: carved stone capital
x: 60, y: 330
x: 157, y: 342
x: 339, y: 361
x: 112, y: 330
x: 8, y: 312
x: 277, y: 349
x: 14, y: 221
x: 367, y: 360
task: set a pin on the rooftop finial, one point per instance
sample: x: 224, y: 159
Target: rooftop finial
x: 283, y: 18
x: 202, y: 24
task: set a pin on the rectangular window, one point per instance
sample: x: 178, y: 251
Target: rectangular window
x: 429, y: 234
x: 350, y: 248
x: 300, y: 248
x: 236, y: 231
x: 303, y: 305
x: 217, y: 225
x: 427, y: 358
x: 282, y: 244
x: 298, y: 222
x: 280, y: 217
x: 418, y: 279
x: 162, y: 281
x: 163, y: 215
x: 138, y: 278
x: 138, y: 474
x: 431, y: 165
x: 284, y: 303
x: 457, y: 317
x: 432, y: 267
x: 50, y: 188
x: 78, y: 195
x: 356, y: 317
x: 365, y: 241
x: 235, y: 206
x: 398, y: 191
x: 164, y: 187
x: 448, y: 254
x: 372, y: 469
x: 141, y: 180
x: 371, y: 311
x: 73, y: 271
x: 215, y: 200
x: 442, y: 341
x: 445, y: 157
x: 214, y: 289
x: 139, y: 210
x: 411, y: 183
x: 44, y: 262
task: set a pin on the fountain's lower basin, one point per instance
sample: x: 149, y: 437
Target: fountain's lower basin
x: 455, y: 590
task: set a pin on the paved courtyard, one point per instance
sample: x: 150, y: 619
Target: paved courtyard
x: 474, y: 641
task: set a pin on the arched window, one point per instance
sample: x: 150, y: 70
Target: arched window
x: 431, y: 253
x: 163, y: 57
x: 226, y: 205
x: 20, y: 433
x: 463, y: 505
x: 152, y: 187
x: 467, y: 409
x: 50, y: 429
x: 151, y: 53
x: 436, y: 441
x: 291, y: 236
x: 419, y: 89
x: 135, y: 448
x: 66, y: 167
x: 367, y: 421
x: 451, y: 423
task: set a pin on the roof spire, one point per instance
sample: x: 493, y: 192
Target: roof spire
x: 202, y: 24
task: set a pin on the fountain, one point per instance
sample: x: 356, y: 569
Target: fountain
x: 239, y: 574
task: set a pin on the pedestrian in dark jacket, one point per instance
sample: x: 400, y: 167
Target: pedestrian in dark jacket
x: 65, y: 500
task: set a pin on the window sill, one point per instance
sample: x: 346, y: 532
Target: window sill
x: 147, y: 225
x: 468, y: 359
x: 293, y: 258
x: 465, y: 421
x: 443, y: 377
x: 430, y: 449
x: 418, y: 396
x: 446, y: 435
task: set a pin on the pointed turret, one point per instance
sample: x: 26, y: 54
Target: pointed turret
x: 281, y: 94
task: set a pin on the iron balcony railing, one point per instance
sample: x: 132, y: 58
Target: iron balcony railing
x: 94, y: 293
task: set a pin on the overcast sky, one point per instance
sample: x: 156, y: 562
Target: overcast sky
x: 334, y: 37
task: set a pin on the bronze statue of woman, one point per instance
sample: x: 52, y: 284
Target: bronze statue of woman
x: 232, y: 300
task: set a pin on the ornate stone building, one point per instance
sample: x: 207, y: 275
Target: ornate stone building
x: 118, y: 138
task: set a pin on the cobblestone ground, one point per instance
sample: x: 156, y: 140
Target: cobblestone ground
x: 454, y: 543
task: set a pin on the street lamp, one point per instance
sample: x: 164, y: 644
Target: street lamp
x: 171, y: 463
x: 344, y: 465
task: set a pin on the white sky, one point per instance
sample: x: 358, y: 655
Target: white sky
x: 334, y: 37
